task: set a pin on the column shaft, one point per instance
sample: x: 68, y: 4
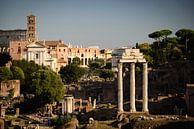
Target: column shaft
x: 145, y: 88
x: 120, y: 88
x: 132, y: 88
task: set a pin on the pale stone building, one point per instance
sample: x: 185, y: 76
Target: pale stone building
x: 57, y: 49
x: 106, y: 54
x: 48, y: 53
x: 38, y: 53
x: 84, y: 54
x: 10, y: 85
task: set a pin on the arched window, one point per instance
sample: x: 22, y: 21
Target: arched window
x: 19, y: 49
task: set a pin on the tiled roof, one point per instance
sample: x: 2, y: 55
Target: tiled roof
x: 53, y: 43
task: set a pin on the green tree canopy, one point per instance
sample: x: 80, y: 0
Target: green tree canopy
x: 47, y: 86
x: 18, y: 73
x: 71, y: 73
x: 97, y: 63
x: 5, y: 74
x: 185, y: 35
x: 108, y: 65
x: 106, y: 74
x: 4, y: 58
x: 76, y: 61
x: 28, y: 68
x: 165, y: 33
x: 155, y: 35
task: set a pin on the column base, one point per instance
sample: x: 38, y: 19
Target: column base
x: 146, y: 111
x: 132, y: 110
x: 121, y: 110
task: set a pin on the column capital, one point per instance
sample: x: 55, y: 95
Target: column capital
x: 145, y: 63
x: 119, y: 64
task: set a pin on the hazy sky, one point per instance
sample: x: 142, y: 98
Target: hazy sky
x: 106, y: 23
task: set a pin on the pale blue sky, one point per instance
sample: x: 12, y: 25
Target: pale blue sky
x: 106, y: 23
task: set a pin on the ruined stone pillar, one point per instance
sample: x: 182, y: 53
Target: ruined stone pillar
x: 132, y: 88
x: 145, y: 88
x: 68, y: 104
x: 94, y: 103
x: 120, y: 88
x: 17, y: 112
x: 63, y: 107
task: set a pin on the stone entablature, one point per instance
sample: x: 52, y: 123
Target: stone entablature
x: 10, y: 85
x: 126, y: 55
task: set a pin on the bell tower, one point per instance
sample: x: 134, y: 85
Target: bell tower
x: 31, y: 28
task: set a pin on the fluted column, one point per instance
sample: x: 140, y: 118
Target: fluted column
x: 120, y: 88
x: 145, y: 88
x: 132, y: 88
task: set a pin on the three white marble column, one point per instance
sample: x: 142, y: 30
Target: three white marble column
x: 132, y: 88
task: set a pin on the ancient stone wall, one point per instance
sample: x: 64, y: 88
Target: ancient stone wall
x: 10, y: 86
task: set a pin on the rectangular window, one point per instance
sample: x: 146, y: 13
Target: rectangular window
x: 36, y: 55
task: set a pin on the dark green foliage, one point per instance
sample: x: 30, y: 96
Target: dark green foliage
x: 18, y: 73
x: 5, y: 74
x: 108, y: 65
x: 4, y: 58
x: 165, y: 33
x: 71, y: 73
x: 47, y: 86
x: 61, y: 120
x: 106, y: 74
x: 155, y: 35
x: 97, y: 63
x: 76, y: 61
x: 169, y: 48
x: 28, y: 68
x: 185, y: 36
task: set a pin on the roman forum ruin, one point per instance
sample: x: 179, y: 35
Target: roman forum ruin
x: 131, y: 56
